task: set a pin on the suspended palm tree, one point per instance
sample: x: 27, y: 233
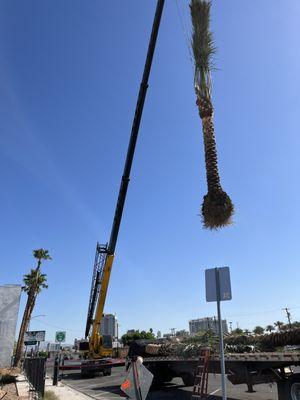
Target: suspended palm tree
x: 34, y: 282
x: 217, y: 207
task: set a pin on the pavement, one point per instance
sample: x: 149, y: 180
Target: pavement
x: 108, y: 388
x: 62, y: 391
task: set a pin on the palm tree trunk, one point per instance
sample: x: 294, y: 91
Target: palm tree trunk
x: 217, y: 207
x: 22, y: 331
x: 24, y: 325
x: 211, y: 158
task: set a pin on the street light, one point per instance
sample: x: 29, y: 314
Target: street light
x: 35, y: 316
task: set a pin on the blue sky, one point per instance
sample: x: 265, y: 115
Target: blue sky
x: 70, y: 73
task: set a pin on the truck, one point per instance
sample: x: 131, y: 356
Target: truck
x: 244, y: 368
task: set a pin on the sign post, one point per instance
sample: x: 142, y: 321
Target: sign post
x: 34, y: 338
x: 218, y: 288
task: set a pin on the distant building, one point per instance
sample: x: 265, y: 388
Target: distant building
x: 158, y: 335
x: 168, y: 335
x: 109, y: 326
x: 182, y: 333
x: 205, y: 324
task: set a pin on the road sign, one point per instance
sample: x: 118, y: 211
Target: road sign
x: 211, y: 284
x: 138, y: 381
x: 38, y: 336
x: 30, y: 342
x: 60, y: 336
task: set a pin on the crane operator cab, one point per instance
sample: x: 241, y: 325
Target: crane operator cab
x: 104, y: 347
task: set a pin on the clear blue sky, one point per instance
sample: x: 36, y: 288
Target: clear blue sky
x: 70, y: 73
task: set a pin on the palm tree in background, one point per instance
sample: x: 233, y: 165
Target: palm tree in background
x: 34, y: 282
x: 270, y: 328
x: 258, y: 330
x: 217, y: 207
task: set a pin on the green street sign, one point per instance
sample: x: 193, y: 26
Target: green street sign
x: 60, y: 336
x: 30, y: 342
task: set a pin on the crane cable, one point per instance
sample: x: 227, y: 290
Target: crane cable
x: 184, y: 27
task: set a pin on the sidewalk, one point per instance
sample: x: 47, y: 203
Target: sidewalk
x: 62, y: 391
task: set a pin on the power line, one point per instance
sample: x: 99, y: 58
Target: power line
x: 260, y: 312
x: 182, y: 19
x: 59, y: 327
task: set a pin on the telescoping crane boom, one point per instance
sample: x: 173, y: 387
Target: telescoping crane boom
x: 97, y: 348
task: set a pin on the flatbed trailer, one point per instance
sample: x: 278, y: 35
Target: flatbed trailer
x: 93, y: 367
x: 248, y: 368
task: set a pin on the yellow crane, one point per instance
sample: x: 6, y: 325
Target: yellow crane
x: 97, y: 346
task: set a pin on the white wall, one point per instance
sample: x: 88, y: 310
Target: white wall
x: 9, y: 308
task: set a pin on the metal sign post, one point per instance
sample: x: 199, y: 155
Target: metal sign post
x: 223, y: 372
x: 218, y: 288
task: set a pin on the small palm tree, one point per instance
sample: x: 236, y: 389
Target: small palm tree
x: 217, y: 207
x: 270, y: 328
x: 237, y: 331
x: 34, y: 282
x: 258, y: 330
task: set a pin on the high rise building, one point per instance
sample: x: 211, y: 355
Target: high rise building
x: 205, y: 324
x: 109, y: 326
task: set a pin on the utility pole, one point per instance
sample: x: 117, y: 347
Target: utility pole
x: 289, y: 317
x: 208, y: 323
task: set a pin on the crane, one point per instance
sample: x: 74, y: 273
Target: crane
x: 97, y: 346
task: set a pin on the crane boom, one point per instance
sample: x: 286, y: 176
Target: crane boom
x: 105, y: 253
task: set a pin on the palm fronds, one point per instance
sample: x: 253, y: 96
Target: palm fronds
x: 203, y: 46
x: 217, y: 207
x: 35, y: 281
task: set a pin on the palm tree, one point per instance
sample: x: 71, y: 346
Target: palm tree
x: 270, y: 328
x: 217, y: 207
x: 258, y: 330
x: 237, y: 331
x: 34, y: 282
x: 41, y: 254
x: 279, y: 325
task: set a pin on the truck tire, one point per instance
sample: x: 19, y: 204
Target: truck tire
x: 107, y: 372
x: 188, y: 379
x: 290, y: 389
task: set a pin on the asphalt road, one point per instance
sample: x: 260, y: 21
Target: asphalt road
x: 108, y: 387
